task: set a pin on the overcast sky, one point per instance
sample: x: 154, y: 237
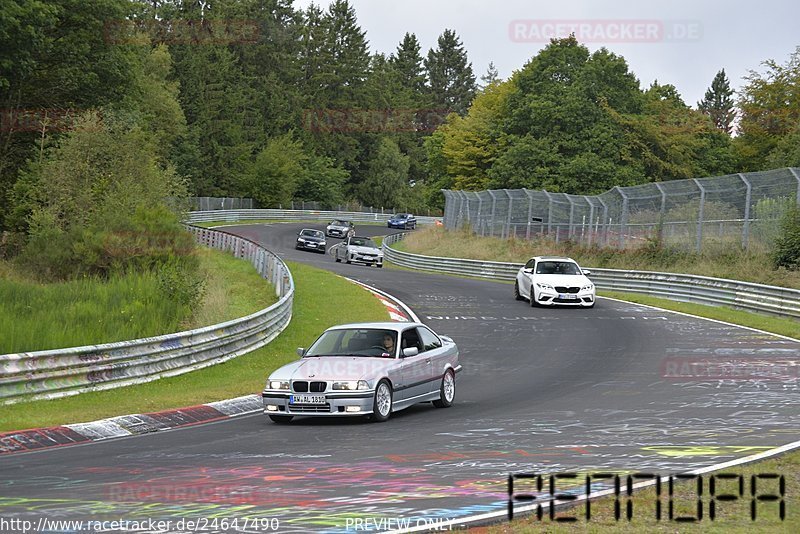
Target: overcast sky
x: 682, y: 42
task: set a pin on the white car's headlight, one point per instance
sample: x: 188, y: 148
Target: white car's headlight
x: 545, y: 286
x: 278, y: 384
x: 587, y: 287
x: 301, y: 240
x: 350, y: 385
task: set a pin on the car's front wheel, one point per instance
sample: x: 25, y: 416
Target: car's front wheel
x: 382, y: 405
x: 281, y: 419
x: 517, y: 295
x: 533, y: 298
x: 447, y: 391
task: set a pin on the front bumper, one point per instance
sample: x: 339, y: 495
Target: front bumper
x: 316, y: 247
x: 336, y: 403
x: 370, y: 260
x: 547, y: 297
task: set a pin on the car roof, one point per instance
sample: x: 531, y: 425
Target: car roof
x: 387, y: 325
x: 553, y: 258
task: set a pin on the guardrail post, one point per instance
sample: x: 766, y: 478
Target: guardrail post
x: 700, y: 214
x: 748, y: 199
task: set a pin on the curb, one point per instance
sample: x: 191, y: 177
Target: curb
x: 37, y: 439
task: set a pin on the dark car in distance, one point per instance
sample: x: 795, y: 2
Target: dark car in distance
x: 406, y: 221
x: 309, y: 239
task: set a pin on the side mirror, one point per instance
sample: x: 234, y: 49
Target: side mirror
x: 410, y: 351
x: 586, y: 272
x: 301, y: 351
x: 527, y: 271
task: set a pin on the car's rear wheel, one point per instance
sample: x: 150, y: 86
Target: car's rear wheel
x: 517, y: 296
x: 447, y: 391
x: 382, y: 405
x: 281, y: 419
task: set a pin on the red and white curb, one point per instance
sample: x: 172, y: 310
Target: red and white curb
x: 36, y: 439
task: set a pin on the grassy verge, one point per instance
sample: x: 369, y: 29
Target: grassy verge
x: 730, y: 517
x: 35, y: 316
x: 321, y: 300
x: 729, y: 262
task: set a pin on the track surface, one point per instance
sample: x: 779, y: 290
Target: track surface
x: 543, y: 390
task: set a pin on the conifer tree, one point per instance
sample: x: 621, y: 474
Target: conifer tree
x: 718, y: 103
x: 450, y: 77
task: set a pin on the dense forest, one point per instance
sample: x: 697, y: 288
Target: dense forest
x: 256, y: 98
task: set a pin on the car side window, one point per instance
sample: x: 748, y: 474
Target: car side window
x: 429, y: 339
x: 409, y: 339
x: 530, y: 264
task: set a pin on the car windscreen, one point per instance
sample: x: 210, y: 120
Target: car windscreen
x: 400, y: 216
x: 557, y: 267
x: 359, y: 342
x: 363, y: 242
x: 311, y: 233
x: 338, y: 223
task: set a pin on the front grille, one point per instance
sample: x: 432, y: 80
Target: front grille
x: 310, y: 408
x: 562, y: 289
x: 566, y: 301
x: 302, y: 386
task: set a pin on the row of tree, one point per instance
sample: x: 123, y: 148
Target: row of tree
x: 257, y: 98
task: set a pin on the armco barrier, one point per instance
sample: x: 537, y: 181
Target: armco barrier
x: 771, y: 300
x: 61, y: 372
x: 294, y: 215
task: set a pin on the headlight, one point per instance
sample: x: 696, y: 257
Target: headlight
x: 587, y: 287
x: 545, y: 286
x: 301, y: 240
x: 278, y: 384
x: 351, y: 385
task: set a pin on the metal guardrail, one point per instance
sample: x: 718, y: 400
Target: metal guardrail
x: 297, y: 215
x: 772, y: 300
x: 61, y: 372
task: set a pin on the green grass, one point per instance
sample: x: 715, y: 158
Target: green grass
x: 731, y: 517
x: 36, y: 316
x: 321, y: 300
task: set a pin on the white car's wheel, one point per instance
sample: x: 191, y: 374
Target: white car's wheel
x: 382, y: 405
x: 447, y: 391
x: 517, y: 296
x: 533, y: 298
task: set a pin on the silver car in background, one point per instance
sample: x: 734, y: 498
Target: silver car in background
x: 553, y: 280
x: 365, y: 369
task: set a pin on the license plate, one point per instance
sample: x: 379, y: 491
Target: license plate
x: 567, y: 297
x: 311, y: 245
x: 307, y: 399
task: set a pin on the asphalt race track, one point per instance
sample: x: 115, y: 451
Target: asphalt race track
x: 543, y: 390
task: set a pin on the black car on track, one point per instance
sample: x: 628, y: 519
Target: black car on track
x: 406, y: 221
x: 309, y: 239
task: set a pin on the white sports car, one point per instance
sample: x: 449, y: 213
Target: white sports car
x: 549, y: 280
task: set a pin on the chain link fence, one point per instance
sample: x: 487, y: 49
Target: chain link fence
x: 742, y: 209
x: 219, y: 203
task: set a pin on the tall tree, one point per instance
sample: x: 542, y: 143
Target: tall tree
x: 450, y: 77
x: 387, y: 176
x: 770, y: 111
x: 490, y: 77
x: 408, y: 64
x: 718, y: 103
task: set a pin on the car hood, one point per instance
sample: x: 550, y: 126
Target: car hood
x: 337, y: 227
x: 569, y: 280
x: 363, y: 250
x: 333, y: 368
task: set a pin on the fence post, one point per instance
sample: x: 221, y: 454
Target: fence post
x: 480, y: 219
x: 605, y: 218
x: 571, y: 231
x: 797, y: 177
x: 748, y: 199
x: 549, y: 213
x: 494, y: 205
x: 508, y: 219
x: 530, y: 213
x: 662, y: 212
x: 591, y: 217
x: 700, y: 214
x: 623, y: 220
